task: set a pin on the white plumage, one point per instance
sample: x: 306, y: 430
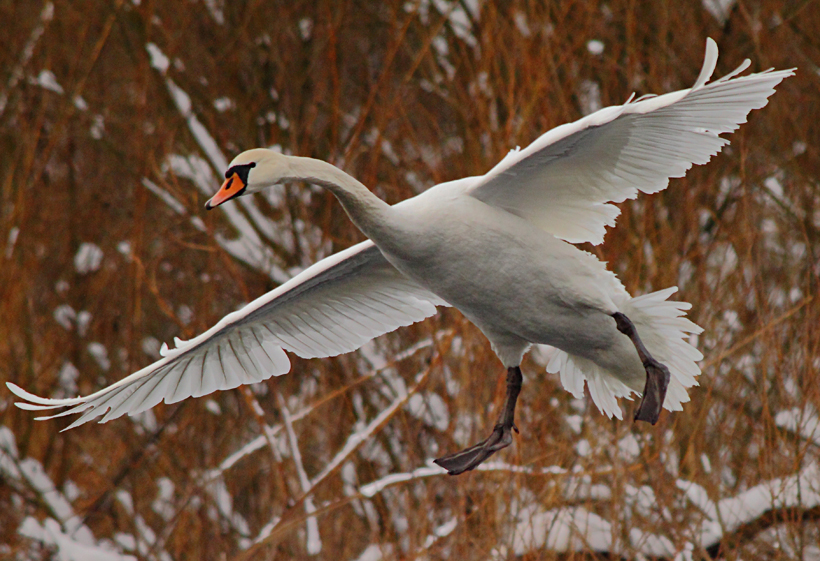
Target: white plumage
x: 497, y: 247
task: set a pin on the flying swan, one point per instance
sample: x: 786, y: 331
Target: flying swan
x: 498, y: 247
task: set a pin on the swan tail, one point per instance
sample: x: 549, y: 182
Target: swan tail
x: 664, y: 330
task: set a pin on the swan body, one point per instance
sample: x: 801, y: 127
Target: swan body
x: 498, y: 247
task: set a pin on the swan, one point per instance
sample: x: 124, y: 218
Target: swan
x: 498, y: 247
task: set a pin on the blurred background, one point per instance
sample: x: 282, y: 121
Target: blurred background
x: 117, y: 119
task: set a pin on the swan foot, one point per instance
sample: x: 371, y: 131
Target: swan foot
x: 657, y: 375
x: 471, y: 457
x: 501, y: 437
x: 657, y: 380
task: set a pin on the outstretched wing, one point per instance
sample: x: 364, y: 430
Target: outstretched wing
x: 333, y: 307
x: 564, y: 180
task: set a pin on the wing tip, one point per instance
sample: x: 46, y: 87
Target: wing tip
x: 30, y: 397
x: 710, y: 58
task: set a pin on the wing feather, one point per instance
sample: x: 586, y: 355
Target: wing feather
x: 564, y: 181
x: 332, y: 307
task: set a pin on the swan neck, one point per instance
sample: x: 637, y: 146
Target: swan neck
x: 368, y: 212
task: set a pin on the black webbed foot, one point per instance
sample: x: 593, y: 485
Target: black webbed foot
x: 469, y: 458
x: 657, y: 381
x: 657, y: 375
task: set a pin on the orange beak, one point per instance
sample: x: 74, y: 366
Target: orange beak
x: 233, y: 187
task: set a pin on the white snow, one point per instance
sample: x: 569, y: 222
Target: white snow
x: 61, y: 286
x: 430, y: 408
x: 46, y: 14
x: 215, y: 8
x: 306, y: 28
x: 65, y: 316
x: 706, y: 463
x: 376, y: 552
x: 774, y: 186
x: 213, y: 407
x: 520, y: 19
x: 150, y: 346
x: 805, y: 422
x: 223, y: 104
x: 440, y: 532
x: 314, y: 541
x: 560, y: 530
x: 371, y: 489
x: 100, y: 354
x: 97, y: 129
x: 14, y: 232
x: 67, y: 378
x: 575, y: 423
x: 68, y: 547
x: 124, y: 247
x: 185, y: 314
x: 595, y: 47
x: 629, y: 448
x: 83, y: 321
x: 590, y: 97
x: 88, y: 258
x: 47, y: 80
x: 163, y: 504
x: 158, y: 59
x: 719, y: 9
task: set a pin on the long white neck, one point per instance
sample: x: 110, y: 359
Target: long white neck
x: 370, y: 214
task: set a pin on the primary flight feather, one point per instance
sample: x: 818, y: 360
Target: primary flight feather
x: 497, y: 247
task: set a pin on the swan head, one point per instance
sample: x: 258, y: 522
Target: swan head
x: 251, y: 171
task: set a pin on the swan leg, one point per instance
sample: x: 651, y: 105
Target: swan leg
x: 657, y: 375
x: 501, y: 437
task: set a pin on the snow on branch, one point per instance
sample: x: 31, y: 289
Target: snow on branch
x: 577, y: 529
x: 62, y: 531
x: 249, y: 247
x: 46, y: 15
x: 314, y: 540
x: 353, y: 442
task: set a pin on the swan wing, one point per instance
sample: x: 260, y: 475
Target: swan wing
x: 333, y: 307
x: 564, y: 181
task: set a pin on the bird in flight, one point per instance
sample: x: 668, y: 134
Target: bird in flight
x: 498, y: 247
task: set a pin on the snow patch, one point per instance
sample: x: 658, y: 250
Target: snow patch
x: 11, y: 240
x: 67, y: 378
x: 213, y: 407
x: 719, y: 9
x: 589, y: 97
x: 215, y: 8
x: 88, y: 258
x: 430, y: 409
x: 97, y: 129
x: 595, y: 47
x: 223, y: 104
x: 100, y: 354
x: 68, y: 547
x: 158, y: 59
x: 65, y: 316
x: 47, y: 80
x: 150, y: 346
x: 560, y: 530
x: 520, y: 19
x: 305, y: 28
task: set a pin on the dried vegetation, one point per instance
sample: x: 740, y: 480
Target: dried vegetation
x: 113, y: 120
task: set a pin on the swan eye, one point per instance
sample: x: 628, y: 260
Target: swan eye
x: 242, y: 170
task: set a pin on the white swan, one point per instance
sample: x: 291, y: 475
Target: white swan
x: 497, y: 247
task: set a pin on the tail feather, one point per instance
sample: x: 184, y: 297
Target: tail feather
x: 664, y: 329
